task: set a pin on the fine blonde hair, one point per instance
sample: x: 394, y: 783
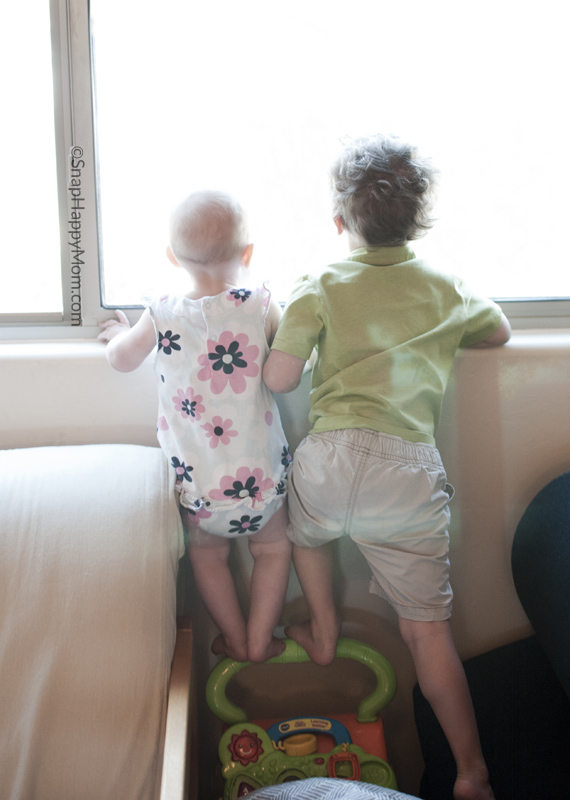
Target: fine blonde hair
x: 208, y: 227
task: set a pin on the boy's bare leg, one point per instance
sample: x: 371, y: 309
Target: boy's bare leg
x: 443, y: 683
x: 209, y: 556
x: 319, y: 635
x: 271, y: 551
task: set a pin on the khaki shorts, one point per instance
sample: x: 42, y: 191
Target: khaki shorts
x: 391, y: 497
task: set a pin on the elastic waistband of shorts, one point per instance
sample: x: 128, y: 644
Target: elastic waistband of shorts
x: 386, y: 445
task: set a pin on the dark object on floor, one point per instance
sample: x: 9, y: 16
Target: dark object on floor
x: 541, y: 571
x: 521, y: 692
x: 523, y: 716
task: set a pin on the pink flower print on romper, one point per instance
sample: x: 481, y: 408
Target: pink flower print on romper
x: 219, y: 430
x: 246, y: 483
x: 189, y: 404
x: 229, y: 360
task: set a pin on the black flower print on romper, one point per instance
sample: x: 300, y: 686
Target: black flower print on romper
x: 182, y: 471
x: 228, y: 358
x: 245, y: 524
x: 167, y: 342
x: 240, y: 294
x: 239, y: 489
x: 286, y: 457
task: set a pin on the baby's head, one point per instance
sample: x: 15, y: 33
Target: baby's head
x: 382, y: 191
x: 208, y: 228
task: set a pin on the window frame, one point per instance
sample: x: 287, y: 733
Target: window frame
x: 81, y: 250
x: 76, y: 186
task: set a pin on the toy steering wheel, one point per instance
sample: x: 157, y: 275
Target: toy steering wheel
x: 301, y: 726
x: 368, y: 709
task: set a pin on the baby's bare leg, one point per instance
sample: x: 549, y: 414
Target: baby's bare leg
x: 319, y: 635
x: 443, y: 683
x: 209, y: 556
x: 271, y: 551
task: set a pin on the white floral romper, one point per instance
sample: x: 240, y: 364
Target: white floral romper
x: 218, y: 424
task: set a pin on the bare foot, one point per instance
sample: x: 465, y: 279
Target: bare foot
x: 272, y: 649
x: 472, y: 789
x: 235, y: 650
x: 320, y: 647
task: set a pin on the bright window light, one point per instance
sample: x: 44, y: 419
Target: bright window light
x: 30, y: 272
x: 255, y: 98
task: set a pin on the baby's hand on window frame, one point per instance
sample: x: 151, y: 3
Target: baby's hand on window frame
x: 112, y: 327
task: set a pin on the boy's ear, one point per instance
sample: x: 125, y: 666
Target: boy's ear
x: 339, y: 222
x: 246, y: 255
x: 171, y: 256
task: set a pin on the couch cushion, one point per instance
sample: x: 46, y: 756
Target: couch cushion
x: 90, y: 539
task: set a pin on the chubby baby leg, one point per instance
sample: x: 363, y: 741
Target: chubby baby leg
x: 271, y: 551
x: 209, y: 557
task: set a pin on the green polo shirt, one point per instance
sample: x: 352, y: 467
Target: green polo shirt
x: 386, y: 327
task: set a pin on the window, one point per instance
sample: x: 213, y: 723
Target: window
x: 50, y: 275
x: 255, y: 98
x: 30, y: 279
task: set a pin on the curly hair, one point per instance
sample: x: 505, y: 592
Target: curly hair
x: 208, y: 227
x: 383, y: 190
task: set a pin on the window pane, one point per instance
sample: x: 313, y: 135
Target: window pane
x: 254, y: 97
x: 30, y: 277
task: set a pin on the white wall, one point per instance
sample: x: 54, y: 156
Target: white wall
x: 505, y: 433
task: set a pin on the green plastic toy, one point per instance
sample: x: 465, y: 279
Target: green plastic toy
x: 252, y: 757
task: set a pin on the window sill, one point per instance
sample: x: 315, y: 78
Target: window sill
x: 90, y: 348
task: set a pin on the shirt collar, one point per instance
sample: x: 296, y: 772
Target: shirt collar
x: 382, y: 256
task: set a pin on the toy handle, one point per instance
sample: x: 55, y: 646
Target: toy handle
x: 346, y: 648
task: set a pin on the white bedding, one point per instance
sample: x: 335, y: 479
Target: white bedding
x: 328, y: 789
x: 90, y: 539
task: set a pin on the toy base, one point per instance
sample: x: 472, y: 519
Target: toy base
x: 250, y: 760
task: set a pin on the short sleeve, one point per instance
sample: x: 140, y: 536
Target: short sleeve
x: 302, y: 321
x: 482, y: 317
x: 150, y: 302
